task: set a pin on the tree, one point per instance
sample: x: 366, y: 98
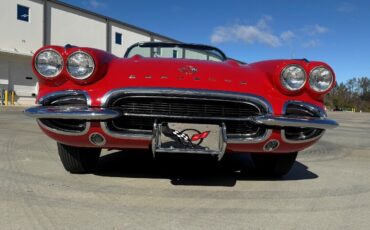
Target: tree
x: 355, y: 93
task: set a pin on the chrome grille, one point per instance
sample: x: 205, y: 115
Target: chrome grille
x: 141, y: 111
x: 185, y: 107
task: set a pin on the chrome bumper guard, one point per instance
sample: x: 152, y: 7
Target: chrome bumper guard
x: 101, y: 114
x: 298, y: 122
x: 72, y: 112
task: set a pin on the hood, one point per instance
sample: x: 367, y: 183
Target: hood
x: 184, y: 73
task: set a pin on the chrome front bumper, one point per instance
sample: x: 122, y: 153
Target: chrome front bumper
x: 72, y: 113
x: 102, y: 114
x: 298, y: 122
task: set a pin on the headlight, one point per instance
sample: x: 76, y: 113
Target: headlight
x: 80, y: 65
x: 293, y: 77
x: 321, y: 79
x: 49, y: 63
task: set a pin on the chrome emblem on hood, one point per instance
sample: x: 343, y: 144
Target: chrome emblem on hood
x: 188, y: 70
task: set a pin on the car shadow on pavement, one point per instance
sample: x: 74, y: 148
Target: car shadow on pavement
x: 187, y: 169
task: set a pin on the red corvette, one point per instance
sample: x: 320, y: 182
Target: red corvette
x: 180, y: 98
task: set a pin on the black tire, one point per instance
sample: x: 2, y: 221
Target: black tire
x: 275, y: 165
x: 78, y: 159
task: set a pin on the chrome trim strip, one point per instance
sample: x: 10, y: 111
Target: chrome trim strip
x: 313, y: 108
x: 190, y: 117
x: 286, y: 140
x: 223, y: 143
x: 300, y: 122
x: 57, y: 131
x: 191, y: 93
x: 127, y: 135
x: 71, y: 112
x: 57, y: 94
x: 155, y: 137
x: 250, y: 140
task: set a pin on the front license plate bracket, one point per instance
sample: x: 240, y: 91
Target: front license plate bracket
x: 172, y: 137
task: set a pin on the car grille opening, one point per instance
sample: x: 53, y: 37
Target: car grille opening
x: 185, y: 107
x: 66, y: 125
x: 140, y: 113
x: 300, y: 110
x: 66, y: 100
x: 77, y: 100
x: 146, y: 125
x: 301, y: 134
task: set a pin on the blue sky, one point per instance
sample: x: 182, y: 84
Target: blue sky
x: 336, y: 32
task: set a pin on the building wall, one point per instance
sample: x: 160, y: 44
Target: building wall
x: 4, y: 72
x: 129, y: 37
x: 69, y: 26
x: 63, y: 24
x: 20, y: 36
x: 16, y: 74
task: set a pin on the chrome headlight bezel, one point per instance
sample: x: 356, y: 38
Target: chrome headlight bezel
x: 283, y: 79
x: 59, y: 66
x: 89, y: 59
x: 313, y: 79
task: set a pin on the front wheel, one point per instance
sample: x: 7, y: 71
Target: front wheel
x: 275, y: 165
x: 78, y: 159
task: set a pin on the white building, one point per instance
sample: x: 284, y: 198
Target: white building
x: 27, y: 25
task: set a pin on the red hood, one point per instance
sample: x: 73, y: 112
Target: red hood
x: 226, y: 76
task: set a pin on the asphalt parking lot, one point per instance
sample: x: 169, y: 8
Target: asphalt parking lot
x: 328, y: 188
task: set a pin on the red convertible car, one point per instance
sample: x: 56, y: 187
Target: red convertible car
x: 179, y: 98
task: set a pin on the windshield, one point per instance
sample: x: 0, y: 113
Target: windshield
x: 176, y: 50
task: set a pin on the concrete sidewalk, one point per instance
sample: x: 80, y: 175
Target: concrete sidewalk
x: 328, y: 187
x: 13, y: 108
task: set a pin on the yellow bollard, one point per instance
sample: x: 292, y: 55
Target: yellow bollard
x: 6, y: 97
x: 13, y: 93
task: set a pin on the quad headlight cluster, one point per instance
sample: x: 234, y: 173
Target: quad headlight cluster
x: 294, y: 77
x: 49, y: 63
